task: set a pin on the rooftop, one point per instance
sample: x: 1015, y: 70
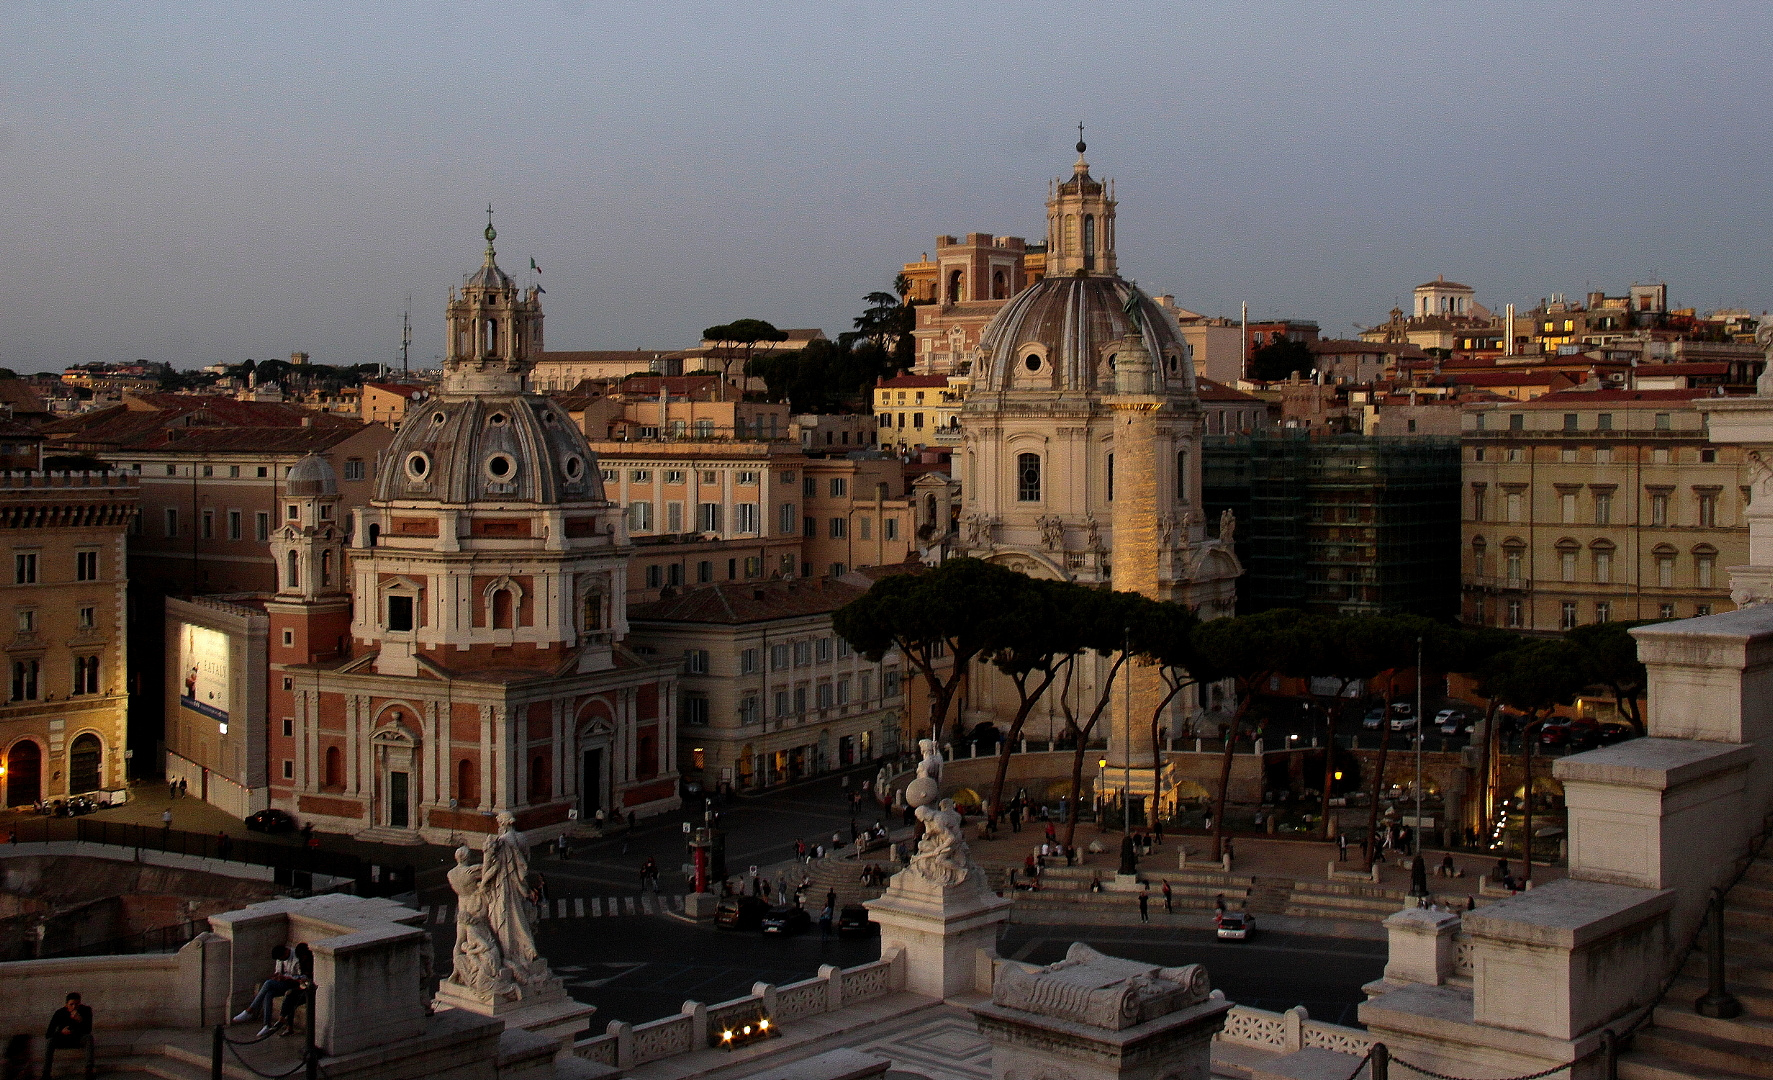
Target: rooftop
x: 735, y: 603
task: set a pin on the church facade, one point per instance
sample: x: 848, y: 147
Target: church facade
x: 455, y: 650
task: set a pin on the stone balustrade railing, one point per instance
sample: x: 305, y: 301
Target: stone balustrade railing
x: 625, y: 1045
x: 1290, y: 1032
x: 1462, y: 953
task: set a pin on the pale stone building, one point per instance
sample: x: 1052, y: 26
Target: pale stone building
x: 1587, y: 506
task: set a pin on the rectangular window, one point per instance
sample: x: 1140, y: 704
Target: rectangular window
x: 208, y: 520
x: 354, y: 469
x: 1701, y: 610
x: 1567, y: 507
x: 1517, y: 422
x: 1603, y: 508
x: 24, y: 680
x: 1708, y: 510
x: 694, y: 709
x: 822, y: 650
x: 889, y: 684
x: 803, y: 653
x: 864, y: 686
x: 1567, y: 455
x: 1477, y: 503
x: 86, y: 675
x: 640, y: 476
x: 890, y: 528
x: 1604, y: 422
x: 1702, y: 570
x: 809, y: 488
x: 1659, y: 456
x: 674, y: 574
x: 1514, y: 506
x: 26, y: 620
x: 748, y: 661
x: 843, y: 649
x: 838, y: 569
x: 866, y: 525
x: 746, y: 514
x: 654, y: 577
x: 843, y: 690
x: 748, y: 710
x: 86, y: 565
x: 779, y: 657
x: 1512, y: 559
x: 673, y: 476
x: 695, y: 661
x: 745, y: 478
x: 1662, y: 423
x: 399, y: 613
x: 708, y: 517
x: 88, y: 618
x: 1665, y: 571
x: 1665, y: 611
x: 704, y: 572
x: 1603, y: 611
x: 840, y: 487
x: 264, y: 471
x: 1567, y: 615
x: 1567, y: 560
x: 785, y: 515
x: 809, y: 526
x: 288, y: 769
x: 838, y: 528
x: 1603, y: 568
x: 826, y: 696
x: 1659, y: 508
x: 261, y: 528
x: 753, y: 566
x: 24, y: 568
x: 1603, y: 455
x: 1514, y: 614
x: 674, y: 517
x: 1569, y: 421
x: 640, y: 517
x: 233, y: 524
x: 172, y: 521
x: 208, y: 471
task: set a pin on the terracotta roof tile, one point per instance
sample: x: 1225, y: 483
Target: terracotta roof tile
x: 735, y: 603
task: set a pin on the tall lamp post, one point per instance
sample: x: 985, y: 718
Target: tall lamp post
x: 1416, y: 834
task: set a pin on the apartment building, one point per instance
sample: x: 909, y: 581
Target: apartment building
x: 855, y: 514
x: 919, y: 410
x: 64, y: 723
x: 386, y: 403
x: 1594, y: 505
x: 769, y: 693
x: 211, y: 471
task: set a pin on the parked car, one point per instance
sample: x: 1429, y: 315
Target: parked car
x: 1233, y: 925
x: 1374, y: 719
x: 787, y: 920
x: 1616, y: 731
x: 1554, y: 733
x: 853, y: 922
x: 1451, y: 721
x: 1579, y: 733
x: 270, y: 821
x: 1403, y: 723
x: 739, y: 913
x: 1402, y: 708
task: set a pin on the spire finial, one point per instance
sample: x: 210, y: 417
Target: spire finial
x: 491, y: 233
x: 1080, y: 142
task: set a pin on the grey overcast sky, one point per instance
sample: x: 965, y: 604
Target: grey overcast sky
x: 209, y: 182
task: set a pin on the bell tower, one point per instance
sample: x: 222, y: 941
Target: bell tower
x: 309, y: 543
x: 1080, y: 223
x: 495, y: 330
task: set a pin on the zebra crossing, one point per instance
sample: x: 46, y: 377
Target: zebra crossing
x: 595, y: 907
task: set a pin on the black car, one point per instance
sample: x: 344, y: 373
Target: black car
x: 270, y: 821
x: 787, y: 920
x: 739, y: 913
x: 852, y: 922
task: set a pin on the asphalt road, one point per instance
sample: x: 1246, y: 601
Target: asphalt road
x: 641, y: 967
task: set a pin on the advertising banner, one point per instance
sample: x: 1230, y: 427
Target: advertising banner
x: 203, y: 660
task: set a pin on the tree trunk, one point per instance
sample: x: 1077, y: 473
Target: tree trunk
x: 1486, y: 762
x: 1330, y: 716
x: 1083, y: 738
x: 1237, y: 720
x: 1157, y: 754
x: 1527, y: 819
x: 1379, y: 771
x: 1023, y: 708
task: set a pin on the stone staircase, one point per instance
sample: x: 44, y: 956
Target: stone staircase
x: 1680, y: 1044
x: 1269, y: 896
x: 844, y: 874
x: 1064, y: 894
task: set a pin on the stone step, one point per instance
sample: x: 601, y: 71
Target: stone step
x: 1755, y: 1000
x: 1749, y: 921
x: 1743, y: 1029
x: 1707, y: 1052
x: 1755, y: 972
x: 1642, y: 1065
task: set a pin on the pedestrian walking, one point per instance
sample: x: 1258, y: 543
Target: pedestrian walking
x: 831, y: 899
x: 166, y: 824
x: 800, y: 850
x: 184, y: 786
x: 1219, y: 904
x: 1341, y: 847
x: 825, y: 916
x: 1169, y: 909
x: 224, y: 844
x: 561, y: 847
x: 1145, y: 905
x: 633, y: 819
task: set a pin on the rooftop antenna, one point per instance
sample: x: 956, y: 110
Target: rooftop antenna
x: 406, y: 335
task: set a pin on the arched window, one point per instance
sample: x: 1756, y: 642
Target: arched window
x: 539, y: 778
x: 292, y: 576
x: 593, y: 610
x: 1182, y: 475
x: 1027, y: 477
x: 334, y: 775
x: 325, y: 569
x: 375, y: 533
x: 501, y: 609
x: 954, y: 286
x: 492, y: 335
x: 84, y: 759
x: 1000, y: 287
x: 467, y: 783
x: 1089, y: 242
x: 1070, y: 234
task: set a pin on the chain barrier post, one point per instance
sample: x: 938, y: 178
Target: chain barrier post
x: 215, y: 1053
x: 310, y: 1056
x: 1380, y: 1061
x: 1717, y: 1002
x: 1609, y: 1055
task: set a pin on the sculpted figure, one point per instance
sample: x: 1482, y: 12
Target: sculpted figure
x: 510, y: 908
x: 942, y: 853
x: 1227, y: 526
x: 479, y: 966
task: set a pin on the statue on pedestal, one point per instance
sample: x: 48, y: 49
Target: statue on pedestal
x: 495, y: 951
x: 478, y: 964
x: 1129, y: 859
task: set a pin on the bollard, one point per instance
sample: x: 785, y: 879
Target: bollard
x: 1717, y: 1002
x: 1380, y: 1059
x: 311, y: 1056
x: 215, y: 1053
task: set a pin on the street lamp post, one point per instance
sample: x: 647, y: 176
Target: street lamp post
x: 1416, y: 836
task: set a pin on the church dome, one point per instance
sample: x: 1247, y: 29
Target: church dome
x: 490, y: 448
x: 489, y: 276
x: 1062, y: 333
x: 311, y: 477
